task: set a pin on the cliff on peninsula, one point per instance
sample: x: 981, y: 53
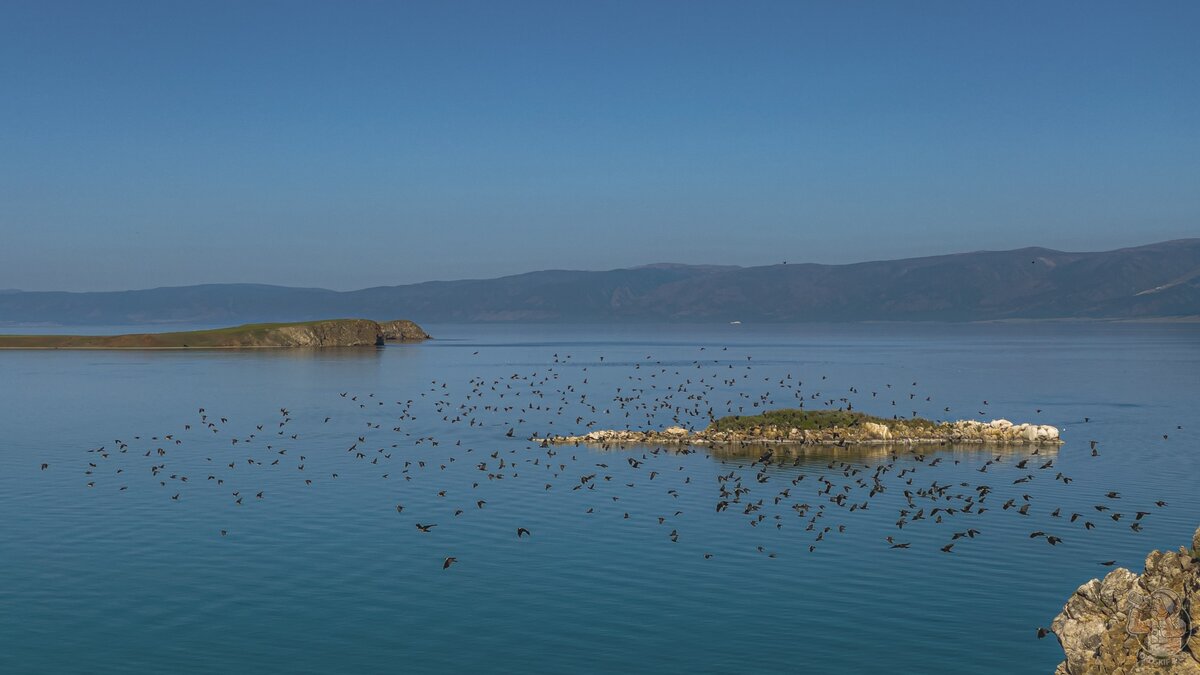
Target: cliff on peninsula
x: 329, y: 333
x: 402, y: 330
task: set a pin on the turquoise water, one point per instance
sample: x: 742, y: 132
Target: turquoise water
x: 329, y: 576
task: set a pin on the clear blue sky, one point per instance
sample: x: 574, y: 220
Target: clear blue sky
x: 350, y: 144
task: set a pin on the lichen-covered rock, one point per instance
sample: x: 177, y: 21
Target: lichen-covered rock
x: 1135, y: 624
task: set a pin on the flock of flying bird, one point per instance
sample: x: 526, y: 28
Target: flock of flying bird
x: 770, y: 488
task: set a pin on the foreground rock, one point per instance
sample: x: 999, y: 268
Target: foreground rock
x: 330, y: 333
x: 827, y: 427
x: 1135, y: 624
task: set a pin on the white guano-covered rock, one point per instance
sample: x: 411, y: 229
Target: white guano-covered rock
x: 879, y: 431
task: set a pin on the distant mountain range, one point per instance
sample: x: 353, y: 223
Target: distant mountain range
x: 1158, y: 281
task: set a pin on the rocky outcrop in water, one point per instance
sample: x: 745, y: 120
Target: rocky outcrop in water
x: 1136, y: 624
x: 1000, y: 432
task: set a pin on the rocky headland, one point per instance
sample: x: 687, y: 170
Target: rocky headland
x: 402, y: 330
x: 1136, y: 624
x: 827, y: 427
x: 329, y: 333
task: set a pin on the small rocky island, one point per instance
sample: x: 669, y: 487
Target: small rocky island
x: 328, y: 333
x: 828, y: 427
x: 1136, y: 624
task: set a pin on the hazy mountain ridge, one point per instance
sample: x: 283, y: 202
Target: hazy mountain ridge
x: 1147, y: 282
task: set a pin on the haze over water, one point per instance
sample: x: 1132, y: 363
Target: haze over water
x: 328, y: 576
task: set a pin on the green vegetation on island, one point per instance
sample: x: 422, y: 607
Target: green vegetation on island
x: 325, y: 333
x: 793, y: 418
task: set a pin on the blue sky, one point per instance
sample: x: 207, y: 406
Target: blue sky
x: 346, y: 145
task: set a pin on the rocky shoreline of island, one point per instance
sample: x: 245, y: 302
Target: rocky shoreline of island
x: 825, y: 427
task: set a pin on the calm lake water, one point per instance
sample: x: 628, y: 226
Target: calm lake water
x: 111, y: 562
